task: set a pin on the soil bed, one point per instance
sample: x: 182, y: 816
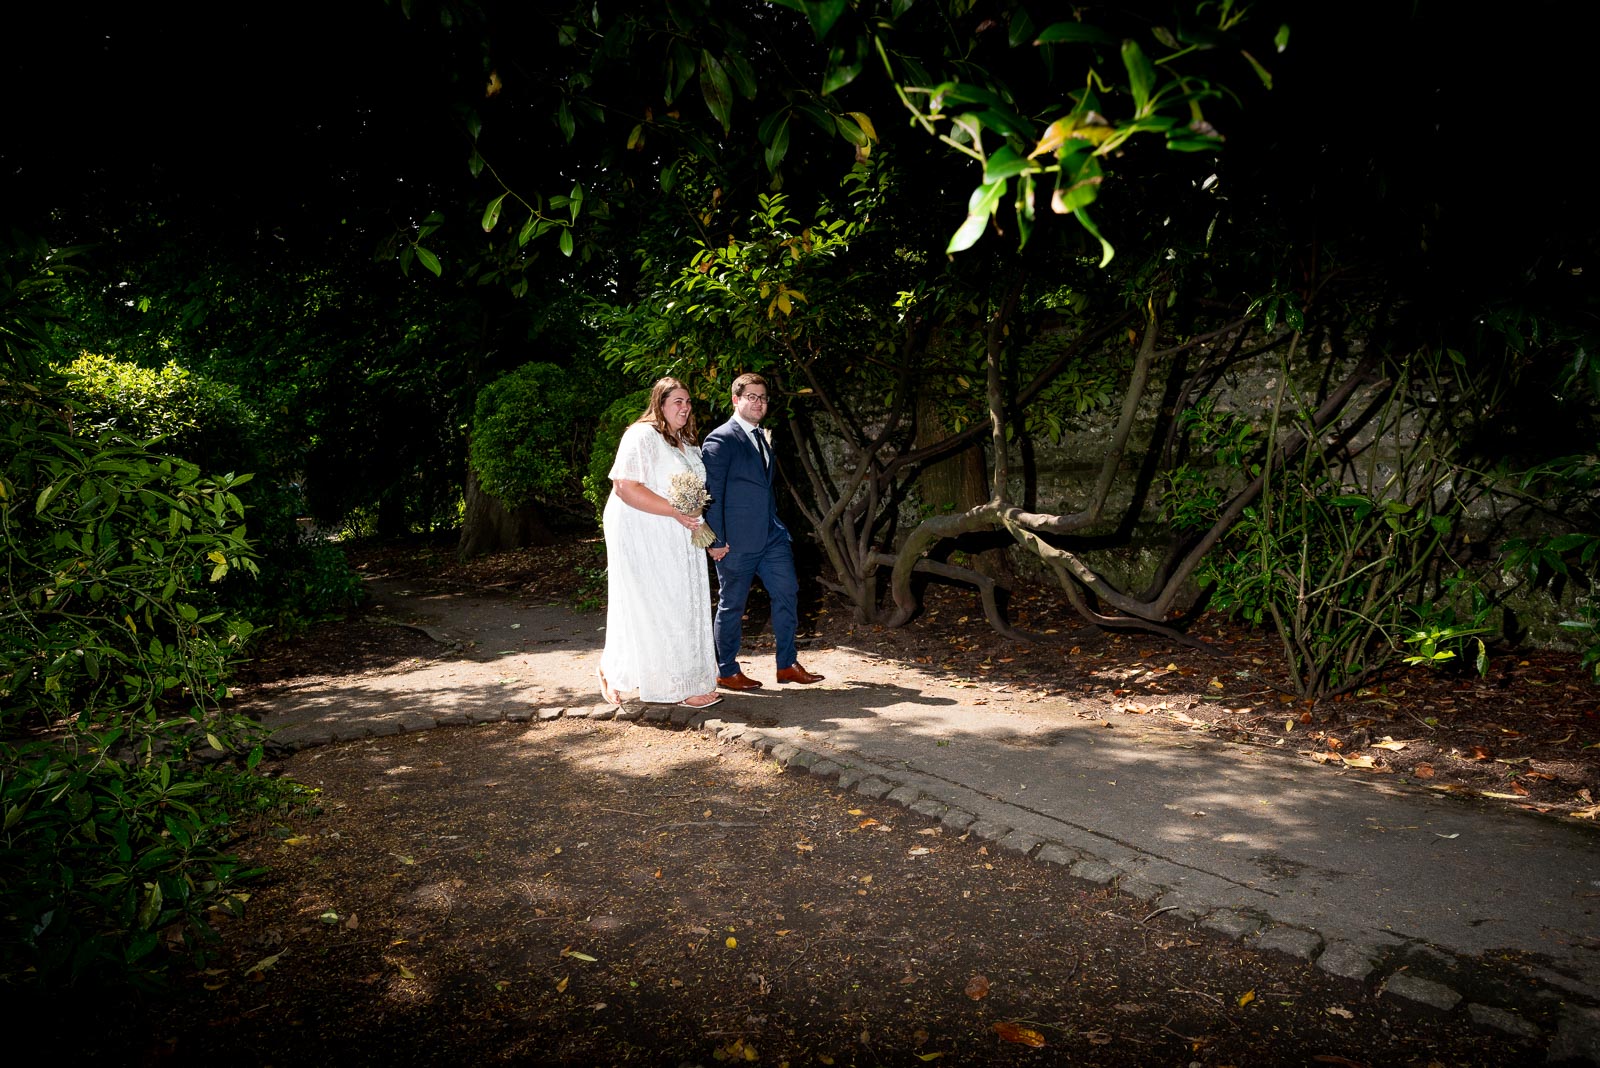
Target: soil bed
x: 588, y: 893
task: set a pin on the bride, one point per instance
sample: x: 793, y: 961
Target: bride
x: 658, y: 613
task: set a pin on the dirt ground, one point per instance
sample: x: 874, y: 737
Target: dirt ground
x: 581, y: 892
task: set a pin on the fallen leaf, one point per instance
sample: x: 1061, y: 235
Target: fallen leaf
x: 1360, y: 760
x: 919, y: 851
x: 1246, y: 998
x: 731, y: 942
x: 296, y: 840
x: 561, y: 985
x: 1423, y: 771
x: 264, y: 963
x: 1022, y: 1036
x: 1341, y: 1012
x: 574, y: 954
x: 1387, y: 742
x: 929, y: 1056
x: 406, y: 973
x: 977, y: 987
x: 1480, y: 753
x: 929, y: 831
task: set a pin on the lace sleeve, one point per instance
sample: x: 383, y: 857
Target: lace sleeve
x: 635, y: 454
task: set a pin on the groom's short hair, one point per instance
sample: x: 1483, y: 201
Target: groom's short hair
x: 745, y: 381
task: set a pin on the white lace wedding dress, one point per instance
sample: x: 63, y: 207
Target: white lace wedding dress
x: 658, y: 615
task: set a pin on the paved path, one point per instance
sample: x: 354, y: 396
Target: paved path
x: 1403, y: 889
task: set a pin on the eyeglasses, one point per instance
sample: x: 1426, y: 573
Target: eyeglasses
x: 762, y: 397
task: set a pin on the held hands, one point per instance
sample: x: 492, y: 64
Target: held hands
x: 719, y: 553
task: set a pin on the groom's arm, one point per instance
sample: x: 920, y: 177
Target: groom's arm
x: 714, y: 455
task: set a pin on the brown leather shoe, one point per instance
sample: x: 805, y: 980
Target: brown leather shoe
x: 738, y: 681
x: 796, y: 673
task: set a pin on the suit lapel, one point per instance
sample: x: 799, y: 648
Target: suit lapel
x: 744, y: 435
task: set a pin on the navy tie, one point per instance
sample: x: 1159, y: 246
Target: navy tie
x: 761, y: 447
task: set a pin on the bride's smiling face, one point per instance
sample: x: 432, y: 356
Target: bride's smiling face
x: 676, y: 408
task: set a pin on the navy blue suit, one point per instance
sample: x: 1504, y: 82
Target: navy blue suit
x: 744, y: 515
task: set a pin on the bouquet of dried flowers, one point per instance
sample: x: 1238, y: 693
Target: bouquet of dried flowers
x: 688, y: 495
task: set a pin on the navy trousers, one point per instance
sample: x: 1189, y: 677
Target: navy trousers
x: 774, y: 566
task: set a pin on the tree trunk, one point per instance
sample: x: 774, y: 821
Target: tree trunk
x: 490, y: 527
x: 963, y: 481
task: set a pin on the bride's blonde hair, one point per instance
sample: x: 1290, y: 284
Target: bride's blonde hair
x: 656, y: 417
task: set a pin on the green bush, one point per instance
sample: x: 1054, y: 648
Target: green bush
x: 104, y: 861
x: 304, y: 578
x: 114, y: 660
x: 530, y: 430
x: 603, y: 453
x: 194, y: 417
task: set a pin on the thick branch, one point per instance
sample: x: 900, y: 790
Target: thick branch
x: 986, y: 588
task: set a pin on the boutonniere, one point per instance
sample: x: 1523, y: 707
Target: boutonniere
x: 768, y: 434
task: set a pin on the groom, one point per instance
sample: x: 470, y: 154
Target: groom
x: 751, y: 540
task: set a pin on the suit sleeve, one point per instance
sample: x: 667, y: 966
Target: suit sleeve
x: 712, y: 454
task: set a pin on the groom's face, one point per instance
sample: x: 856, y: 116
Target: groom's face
x: 751, y: 404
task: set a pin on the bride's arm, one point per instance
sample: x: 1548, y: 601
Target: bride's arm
x: 638, y: 495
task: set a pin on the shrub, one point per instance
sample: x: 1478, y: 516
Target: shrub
x: 194, y: 417
x: 114, y: 656
x: 304, y: 578
x: 530, y: 429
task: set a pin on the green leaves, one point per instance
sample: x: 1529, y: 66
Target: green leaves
x: 1074, y: 33
x: 491, y: 213
x: 980, y: 207
x: 714, y: 87
x: 774, y: 134
x: 1141, y: 77
x: 822, y: 14
x: 110, y: 638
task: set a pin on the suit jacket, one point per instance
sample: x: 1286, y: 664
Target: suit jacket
x: 744, y: 510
